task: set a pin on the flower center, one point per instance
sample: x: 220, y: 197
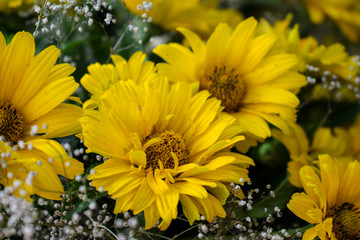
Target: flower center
x: 346, y: 221
x: 12, y: 125
x: 161, y: 151
x: 226, y: 85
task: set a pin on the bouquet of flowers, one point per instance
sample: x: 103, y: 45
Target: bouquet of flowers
x: 193, y: 119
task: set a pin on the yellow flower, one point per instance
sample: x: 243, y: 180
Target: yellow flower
x: 326, y: 140
x: 32, y: 90
x: 331, y: 200
x: 197, y: 15
x: 346, y: 14
x: 234, y: 67
x: 101, y: 77
x: 330, y: 66
x: 166, y: 146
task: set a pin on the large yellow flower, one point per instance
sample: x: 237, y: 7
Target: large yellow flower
x: 346, y: 14
x: 331, y: 200
x: 166, y: 146
x: 197, y: 15
x: 32, y: 90
x: 335, y: 142
x: 101, y: 77
x: 234, y: 67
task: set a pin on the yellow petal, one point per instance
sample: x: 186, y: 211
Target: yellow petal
x: 270, y: 68
x: 144, y: 192
x: 60, y: 160
x: 43, y: 102
x: 61, y: 121
x: 39, y: 69
x: 15, y: 59
x: 191, y: 189
x: 189, y: 208
x: 240, y: 39
x: 256, y: 52
x: 265, y: 94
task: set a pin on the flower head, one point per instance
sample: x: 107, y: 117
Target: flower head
x: 166, y: 146
x: 101, y: 77
x: 334, y: 141
x: 331, y: 200
x: 234, y: 67
x: 199, y: 16
x: 32, y: 90
x: 329, y: 66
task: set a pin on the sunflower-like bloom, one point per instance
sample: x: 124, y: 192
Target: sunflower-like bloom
x: 32, y: 90
x: 101, y: 77
x: 331, y: 199
x: 346, y: 14
x: 197, y: 15
x: 164, y: 146
x: 335, y: 142
x: 330, y: 66
x: 234, y: 67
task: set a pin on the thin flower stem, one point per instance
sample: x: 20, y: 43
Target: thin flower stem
x: 154, y: 234
x: 39, y: 18
x: 178, y: 235
x: 103, y: 227
x: 120, y: 39
x: 328, y: 113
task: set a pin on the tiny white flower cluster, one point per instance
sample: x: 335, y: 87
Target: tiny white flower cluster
x: 52, y: 16
x: 333, y: 81
x: 17, y: 216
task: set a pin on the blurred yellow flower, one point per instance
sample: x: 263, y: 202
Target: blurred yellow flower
x: 197, y: 15
x: 354, y: 143
x: 166, y: 146
x: 101, y: 77
x: 14, y: 5
x: 331, y: 200
x: 334, y: 141
x: 345, y: 13
x: 329, y: 66
x: 234, y: 67
x: 32, y: 90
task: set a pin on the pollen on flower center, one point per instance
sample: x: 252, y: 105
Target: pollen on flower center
x: 12, y: 125
x: 161, y: 151
x: 226, y: 85
x: 346, y: 221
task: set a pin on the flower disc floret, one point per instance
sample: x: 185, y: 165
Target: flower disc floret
x: 346, y: 221
x: 12, y: 126
x: 170, y: 142
x: 226, y: 85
